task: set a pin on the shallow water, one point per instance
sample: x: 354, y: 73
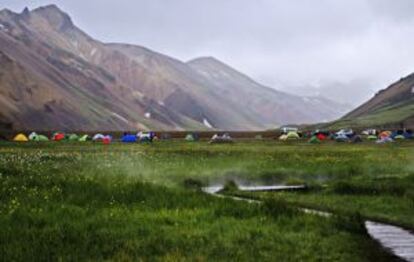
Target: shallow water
x: 270, y: 188
x: 398, y: 240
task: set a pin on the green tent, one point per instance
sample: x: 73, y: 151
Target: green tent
x: 38, y: 138
x: 292, y: 135
x: 190, y: 138
x: 73, y: 137
x: 372, y: 138
x: 84, y: 138
x: 314, y: 140
x: 399, y: 137
x: 42, y: 138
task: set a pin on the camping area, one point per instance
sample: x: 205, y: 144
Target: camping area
x: 123, y: 201
x: 183, y: 130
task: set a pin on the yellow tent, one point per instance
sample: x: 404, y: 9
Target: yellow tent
x: 20, y: 138
x: 292, y: 135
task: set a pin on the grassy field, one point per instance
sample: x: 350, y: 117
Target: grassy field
x: 72, y: 201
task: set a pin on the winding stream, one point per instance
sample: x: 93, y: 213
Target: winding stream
x: 395, y: 239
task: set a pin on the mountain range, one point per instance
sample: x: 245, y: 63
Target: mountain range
x: 55, y: 76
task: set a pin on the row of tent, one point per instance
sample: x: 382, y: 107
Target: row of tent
x: 344, y: 135
x: 106, y: 139
x: 62, y: 137
x: 348, y: 135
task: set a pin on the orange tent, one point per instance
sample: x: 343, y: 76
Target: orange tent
x: 385, y: 134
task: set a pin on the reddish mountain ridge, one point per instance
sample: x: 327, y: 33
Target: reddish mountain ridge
x: 55, y: 76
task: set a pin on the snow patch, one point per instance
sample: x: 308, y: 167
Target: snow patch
x: 74, y: 43
x: 137, y: 94
x: 161, y: 103
x: 120, y: 117
x: 93, y: 52
x: 147, y: 115
x: 206, y: 123
x: 4, y: 28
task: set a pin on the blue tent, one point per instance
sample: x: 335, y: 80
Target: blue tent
x: 129, y: 139
x: 408, y: 134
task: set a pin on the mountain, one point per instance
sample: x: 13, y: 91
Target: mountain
x: 55, y: 76
x: 265, y: 104
x: 392, y: 107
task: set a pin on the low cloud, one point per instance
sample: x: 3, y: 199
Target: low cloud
x: 284, y: 44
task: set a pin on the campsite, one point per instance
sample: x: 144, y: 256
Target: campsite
x: 134, y: 200
x: 272, y: 130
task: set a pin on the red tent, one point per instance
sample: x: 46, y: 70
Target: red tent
x: 106, y: 140
x: 321, y: 136
x: 58, y: 137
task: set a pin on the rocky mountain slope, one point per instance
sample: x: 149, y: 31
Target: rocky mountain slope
x: 55, y: 76
x: 392, y: 107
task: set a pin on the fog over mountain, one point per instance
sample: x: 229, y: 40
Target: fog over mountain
x: 321, y: 46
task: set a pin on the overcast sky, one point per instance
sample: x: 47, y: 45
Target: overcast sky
x: 346, y: 49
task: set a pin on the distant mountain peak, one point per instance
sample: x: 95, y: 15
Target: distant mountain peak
x: 55, y: 16
x: 26, y: 11
x: 49, y: 8
x: 6, y: 12
x: 205, y: 59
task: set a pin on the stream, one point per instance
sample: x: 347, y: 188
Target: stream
x: 393, y: 238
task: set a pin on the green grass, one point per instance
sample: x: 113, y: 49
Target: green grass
x: 88, y: 201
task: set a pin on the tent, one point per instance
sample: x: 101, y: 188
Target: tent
x: 190, y: 138
x: 106, y: 140
x: 20, y: 138
x: 145, y: 136
x: 221, y: 139
x: 98, y: 137
x: 314, y: 140
x: 341, y: 138
x: 129, y: 138
x: 372, y: 138
x: 38, y: 138
x: 408, y: 134
x: 283, y: 137
x: 385, y: 134
x: 58, y: 137
x: 84, y: 138
x: 73, y: 137
x: 356, y: 139
x: 42, y: 138
x: 369, y: 132
x: 292, y: 135
x: 321, y: 136
x: 32, y: 136
x: 385, y: 140
x: 344, y: 132
x: 287, y: 129
x: 399, y: 137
